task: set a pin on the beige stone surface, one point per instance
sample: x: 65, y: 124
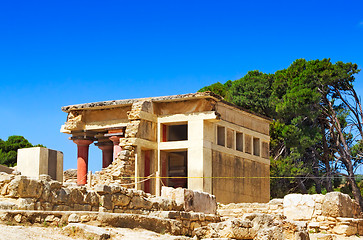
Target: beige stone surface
x: 322, y: 236
x: 17, y: 232
x: 35, y: 161
x: 346, y: 230
x: 299, y: 206
x: 239, y: 180
x: 336, y: 204
x: 195, y: 201
x: 254, y: 226
x: 9, y: 232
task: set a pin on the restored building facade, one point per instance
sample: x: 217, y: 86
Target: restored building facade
x: 196, y: 141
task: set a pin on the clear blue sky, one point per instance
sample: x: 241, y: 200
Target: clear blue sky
x: 57, y: 53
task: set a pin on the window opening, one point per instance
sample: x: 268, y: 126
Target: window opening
x: 221, y: 136
x: 256, y: 146
x: 175, y: 132
x: 230, y: 138
x: 248, y: 144
x: 239, y: 141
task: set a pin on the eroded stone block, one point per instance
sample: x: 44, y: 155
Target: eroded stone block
x: 191, y: 200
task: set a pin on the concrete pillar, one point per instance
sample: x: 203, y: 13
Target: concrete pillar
x: 107, y: 154
x: 116, y: 145
x: 82, y: 160
x: 158, y: 163
x: 195, y: 154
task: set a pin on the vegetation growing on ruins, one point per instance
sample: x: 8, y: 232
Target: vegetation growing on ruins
x: 316, y: 133
x: 9, y: 148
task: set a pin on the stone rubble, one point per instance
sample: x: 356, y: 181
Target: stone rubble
x: 254, y: 226
x: 87, y: 231
x: 177, y: 212
x: 333, y: 213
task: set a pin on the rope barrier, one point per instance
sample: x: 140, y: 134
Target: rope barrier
x: 146, y: 179
x: 160, y: 178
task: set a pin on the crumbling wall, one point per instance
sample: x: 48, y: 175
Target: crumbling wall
x: 48, y: 199
x: 122, y: 169
x: 24, y: 193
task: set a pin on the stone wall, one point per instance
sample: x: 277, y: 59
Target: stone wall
x: 122, y: 170
x: 172, y: 222
x: 333, y: 213
x: 25, y: 193
x: 109, y: 205
x: 20, y: 192
x: 275, y: 206
x: 246, y: 180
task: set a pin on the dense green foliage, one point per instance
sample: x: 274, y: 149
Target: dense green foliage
x: 218, y: 88
x: 316, y: 127
x: 256, y: 88
x: 9, y: 148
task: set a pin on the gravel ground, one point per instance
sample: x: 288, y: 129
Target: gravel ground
x: 31, y: 232
x: 8, y: 232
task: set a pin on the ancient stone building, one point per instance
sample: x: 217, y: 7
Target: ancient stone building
x: 196, y: 141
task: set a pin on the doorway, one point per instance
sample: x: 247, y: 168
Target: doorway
x: 178, y: 169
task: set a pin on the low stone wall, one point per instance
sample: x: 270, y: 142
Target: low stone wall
x: 176, y: 223
x: 53, y: 204
x: 25, y: 193
x: 20, y: 192
x: 333, y: 213
x: 275, y: 206
x: 311, y: 207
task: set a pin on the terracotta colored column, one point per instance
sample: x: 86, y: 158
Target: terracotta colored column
x: 116, y: 145
x: 82, y: 160
x: 107, y: 154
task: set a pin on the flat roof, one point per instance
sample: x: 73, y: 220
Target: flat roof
x: 171, y: 98
x: 115, y: 103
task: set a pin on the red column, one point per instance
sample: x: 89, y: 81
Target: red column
x: 116, y: 145
x: 82, y: 160
x: 107, y: 154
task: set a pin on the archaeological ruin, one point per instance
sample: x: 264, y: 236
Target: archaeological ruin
x: 192, y: 166
x: 196, y: 141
